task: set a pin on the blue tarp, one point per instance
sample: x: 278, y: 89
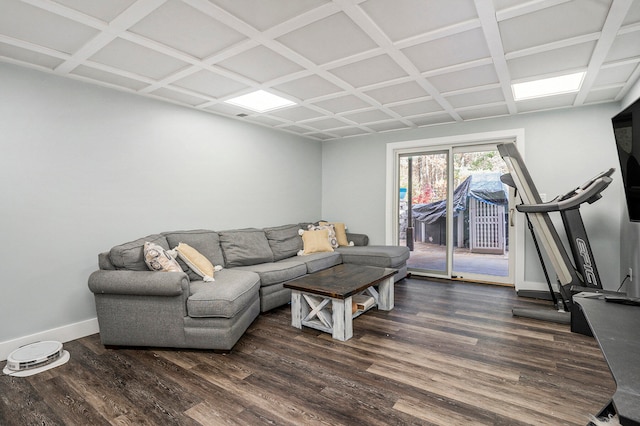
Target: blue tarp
x: 485, y: 187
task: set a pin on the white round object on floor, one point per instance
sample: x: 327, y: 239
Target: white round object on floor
x: 35, y: 358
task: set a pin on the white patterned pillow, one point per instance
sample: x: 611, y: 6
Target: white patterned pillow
x: 330, y: 229
x: 157, y: 259
x: 341, y: 232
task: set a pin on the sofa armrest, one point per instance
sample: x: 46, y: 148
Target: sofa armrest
x: 358, y: 239
x: 139, y: 283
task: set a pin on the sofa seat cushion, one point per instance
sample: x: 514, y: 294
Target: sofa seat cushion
x: 230, y: 293
x: 319, y: 261
x: 277, y: 272
x: 382, y: 256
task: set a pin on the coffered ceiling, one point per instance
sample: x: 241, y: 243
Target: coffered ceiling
x: 353, y: 67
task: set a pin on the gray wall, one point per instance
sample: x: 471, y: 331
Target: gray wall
x: 563, y: 149
x: 83, y: 168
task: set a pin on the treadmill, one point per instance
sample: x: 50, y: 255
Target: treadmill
x: 582, y: 274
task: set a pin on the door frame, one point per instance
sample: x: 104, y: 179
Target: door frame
x: 395, y: 149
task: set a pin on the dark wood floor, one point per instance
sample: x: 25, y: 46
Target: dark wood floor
x: 448, y: 354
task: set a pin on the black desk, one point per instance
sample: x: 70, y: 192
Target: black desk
x: 616, y: 327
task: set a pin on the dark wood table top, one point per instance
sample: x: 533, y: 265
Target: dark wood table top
x: 616, y: 327
x: 341, y: 281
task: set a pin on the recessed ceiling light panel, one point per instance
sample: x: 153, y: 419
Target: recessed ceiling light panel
x: 548, y: 86
x: 260, y: 101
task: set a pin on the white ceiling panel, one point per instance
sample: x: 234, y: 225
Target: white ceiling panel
x: 354, y: 67
x: 401, y: 19
x: 633, y: 15
x: 446, y: 51
x: 552, y: 61
x: 416, y: 108
x: 478, y: 113
x: 178, y: 96
x: 397, y: 93
x: 228, y: 109
x: 367, y: 116
x: 265, y: 120
x: 617, y: 75
x: 506, y: 4
x: 109, y: 78
x: 342, y: 104
x: 309, y: 87
x: 328, y: 39
x: 296, y: 113
x: 248, y: 64
x: 137, y: 59
x: 28, y: 56
x: 345, y: 133
x: 625, y: 46
x: 560, y: 22
x: 326, y: 123
x: 370, y: 71
x: 387, y: 126
x: 476, y: 98
x: 432, y: 119
x: 464, y: 79
x: 549, y: 102
x: 182, y: 27
x: 598, y: 96
x: 297, y: 129
x: 264, y: 14
x: 210, y: 84
x: 103, y: 10
x: 40, y: 27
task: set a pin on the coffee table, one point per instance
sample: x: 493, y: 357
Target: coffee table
x: 323, y: 300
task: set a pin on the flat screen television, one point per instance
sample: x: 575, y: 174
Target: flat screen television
x: 626, y: 128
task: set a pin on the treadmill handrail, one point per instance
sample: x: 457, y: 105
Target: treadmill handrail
x: 585, y: 194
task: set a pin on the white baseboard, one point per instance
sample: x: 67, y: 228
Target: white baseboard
x: 61, y: 334
x: 534, y: 285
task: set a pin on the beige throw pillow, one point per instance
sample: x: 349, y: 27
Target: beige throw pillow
x: 199, y: 264
x: 331, y: 233
x: 315, y: 242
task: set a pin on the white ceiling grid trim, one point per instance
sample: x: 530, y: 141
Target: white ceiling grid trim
x: 354, y: 67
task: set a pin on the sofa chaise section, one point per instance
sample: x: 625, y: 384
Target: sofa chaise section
x: 382, y: 256
x: 138, y: 307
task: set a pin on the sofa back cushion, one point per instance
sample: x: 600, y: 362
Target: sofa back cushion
x: 205, y: 241
x: 104, y: 262
x: 285, y: 241
x: 130, y: 256
x: 242, y: 247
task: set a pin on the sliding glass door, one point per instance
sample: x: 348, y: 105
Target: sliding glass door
x: 424, y: 189
x: 453, y: 213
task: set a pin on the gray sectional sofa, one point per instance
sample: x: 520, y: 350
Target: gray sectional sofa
x: 139, y: 307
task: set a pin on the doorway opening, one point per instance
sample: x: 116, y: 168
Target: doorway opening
x: 452, y: 211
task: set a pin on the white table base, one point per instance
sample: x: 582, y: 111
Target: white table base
x: 333, y: 315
